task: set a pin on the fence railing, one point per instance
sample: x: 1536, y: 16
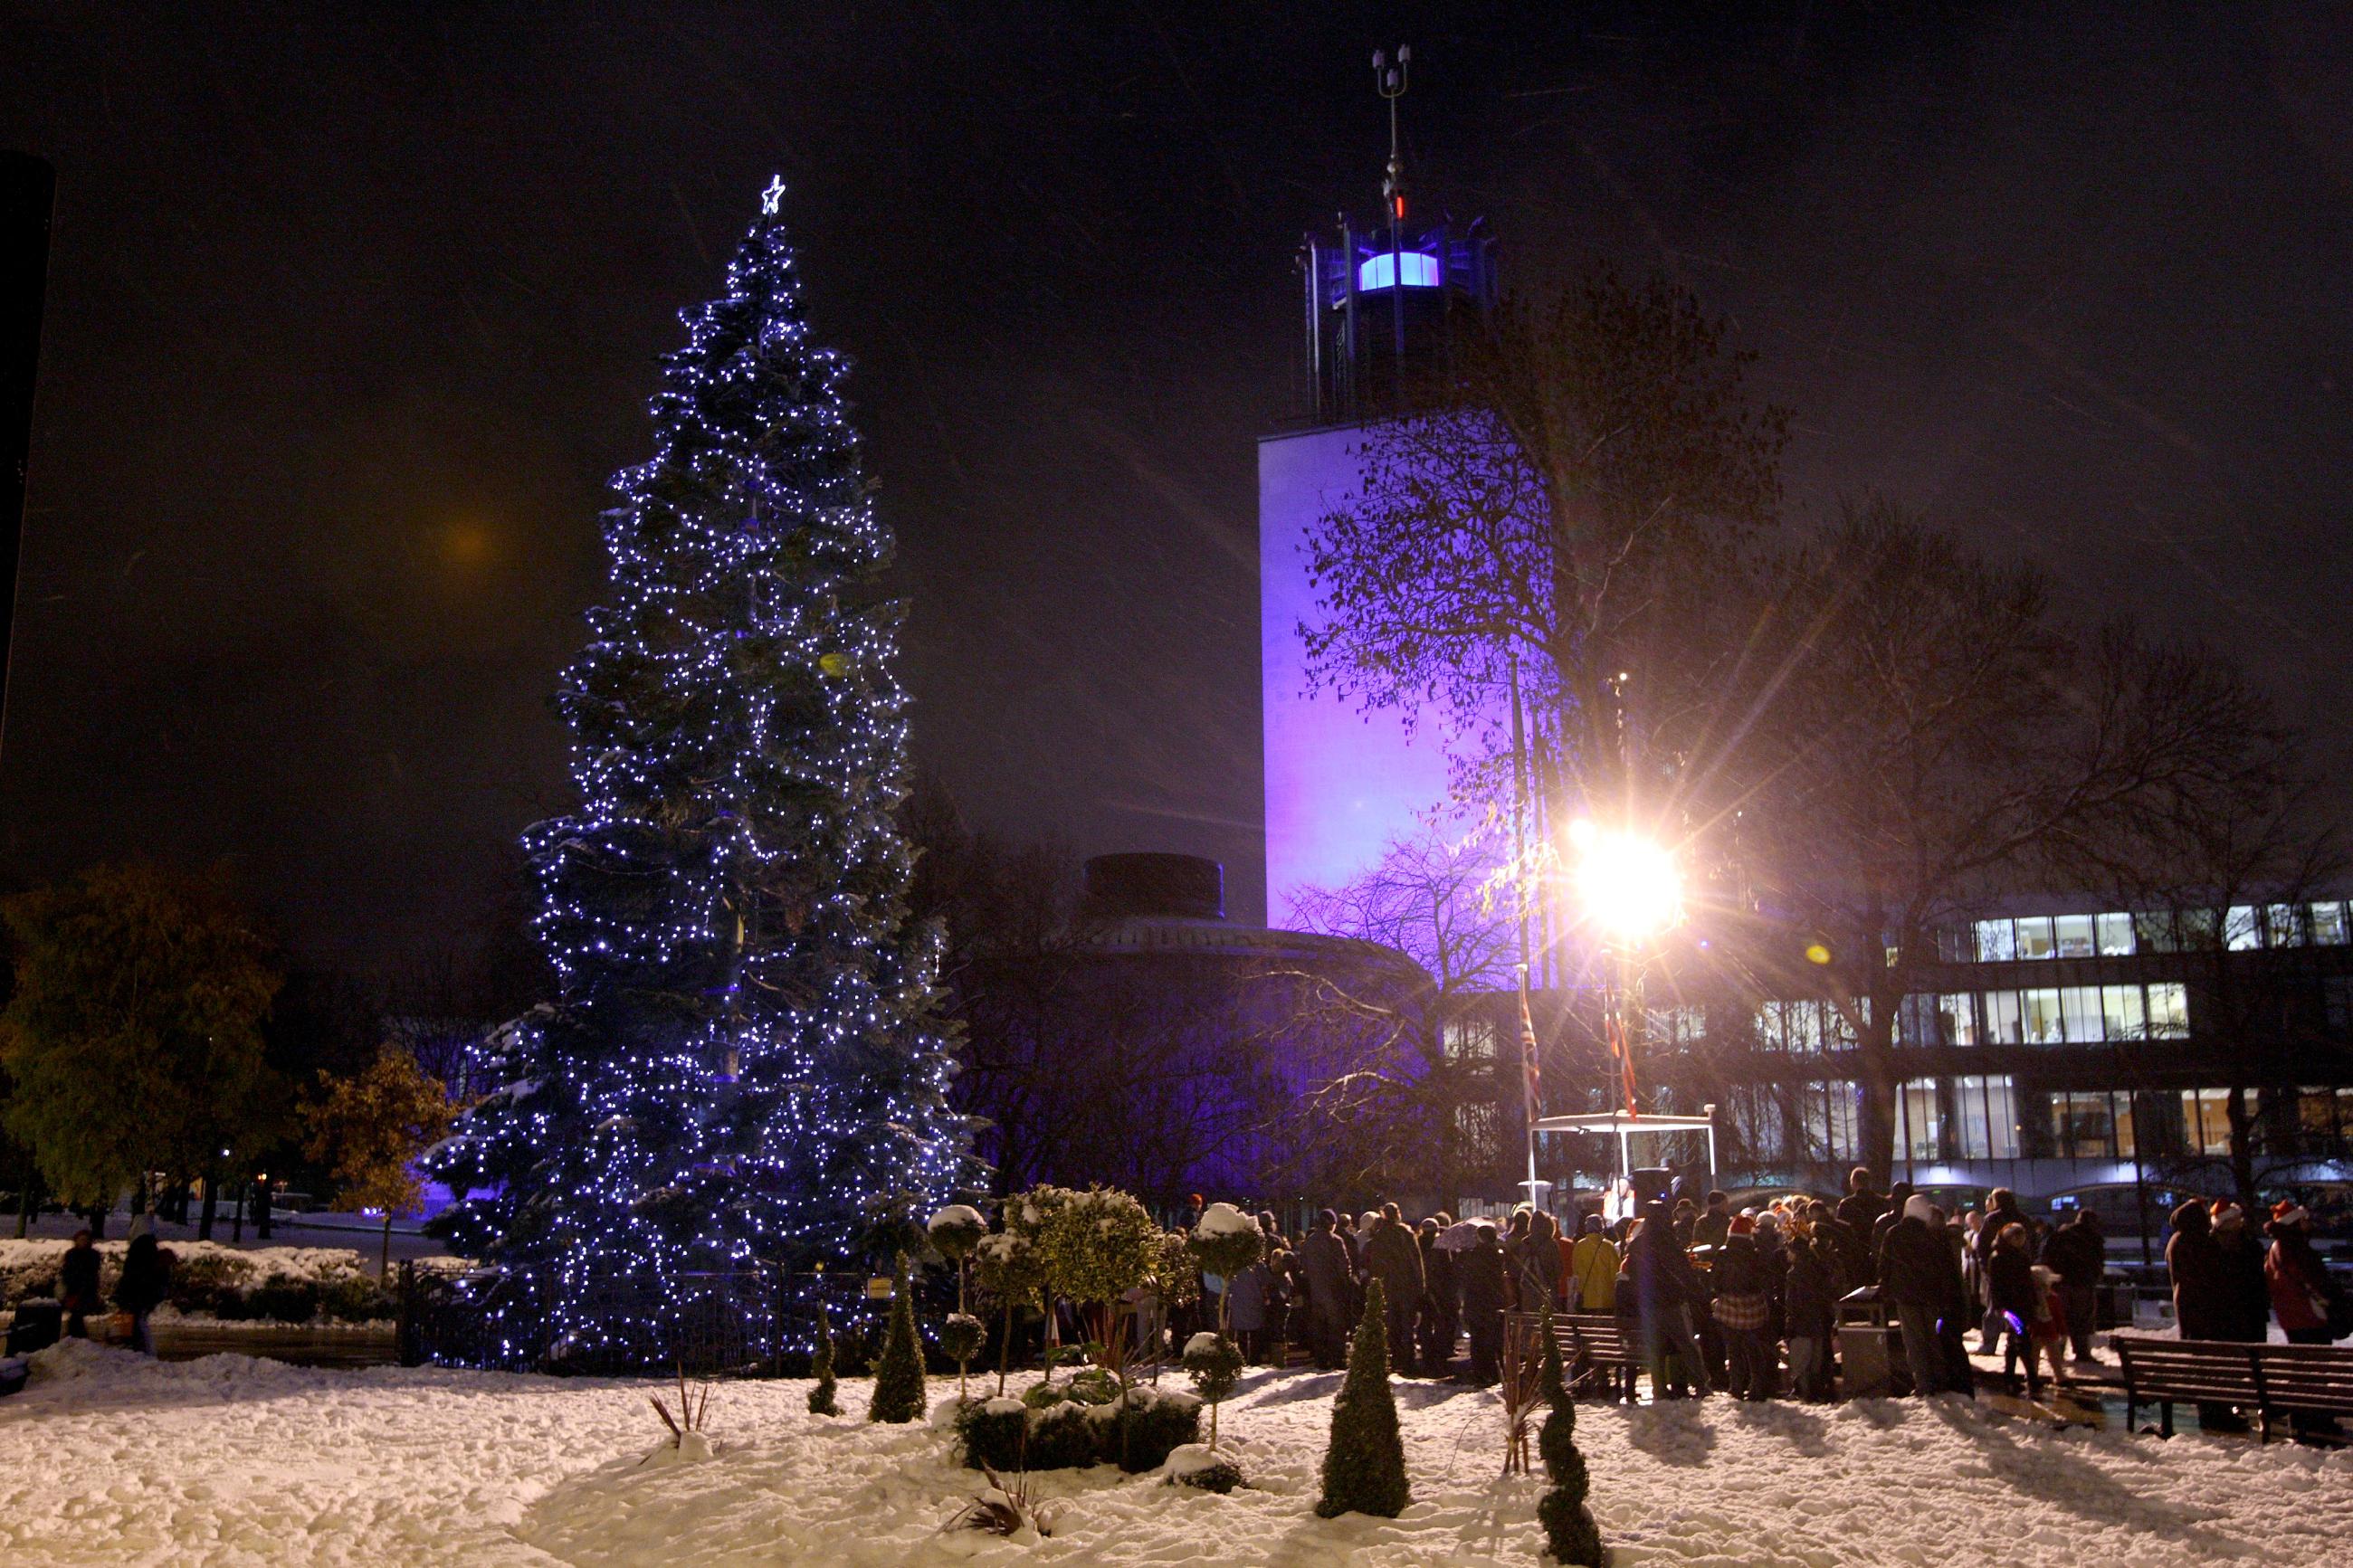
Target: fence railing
x: 754, y: 1322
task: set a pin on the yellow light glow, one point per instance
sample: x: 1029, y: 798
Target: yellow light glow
x: 1627, y: 884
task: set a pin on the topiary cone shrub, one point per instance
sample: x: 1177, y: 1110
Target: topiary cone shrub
x: 899, y: 1375
x: 1571, y: 1536
x: 1364, y: 1468
x: 820, y: 1400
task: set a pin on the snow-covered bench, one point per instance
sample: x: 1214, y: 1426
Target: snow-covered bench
x: 2270, y: 1380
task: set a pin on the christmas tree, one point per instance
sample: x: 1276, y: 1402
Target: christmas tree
x: 742, y: 1061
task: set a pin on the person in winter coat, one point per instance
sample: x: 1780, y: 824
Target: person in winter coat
x: 147, y: 1281
x: 2002, y: 1211
x: 1810, y: 1298
x: 1248, y: 1296
x: 1858, y: 1264
x: 2302, y: 1293
x: 2020, y: 1302
x: 1540, y: 1263
x: 2078, y: 1254
x: 2312, y: 1307
x: 77, y: 1284
x: 2246, y: 1291
x: 1714, y: 1222
x: 2201, y: 1297
x: 1917, y: 1273
x: 1393, y: 1256
x: 1665, y: 1292
x: 1479, y: 1271
x: 1742, y: 1308
x: 1899, y: 1194
x: 1860, y: 1208
x: 1592, y: 1282
x: 1331, y: 1275
x: 1441, y: 1314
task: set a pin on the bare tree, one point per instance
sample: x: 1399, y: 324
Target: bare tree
x: 1396, y: 1074
x: 1559, y: 512
x: 1930, y: 738
x: 2225, y: 867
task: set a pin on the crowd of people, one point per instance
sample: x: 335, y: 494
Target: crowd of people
x: 1744, y: 1301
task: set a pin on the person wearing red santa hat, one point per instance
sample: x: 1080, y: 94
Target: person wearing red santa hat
x: 2312, y: 1308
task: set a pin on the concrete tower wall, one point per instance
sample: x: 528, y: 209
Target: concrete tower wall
x: 1339, y: 783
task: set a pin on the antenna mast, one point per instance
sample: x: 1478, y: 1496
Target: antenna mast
x: 1390, y: 80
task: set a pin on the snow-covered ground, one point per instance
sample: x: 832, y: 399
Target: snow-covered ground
x: 107, y: 1458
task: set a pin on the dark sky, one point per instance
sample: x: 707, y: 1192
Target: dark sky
x: 353, y: 310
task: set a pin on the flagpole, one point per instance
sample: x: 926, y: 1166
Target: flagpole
x: 1531, y: 1069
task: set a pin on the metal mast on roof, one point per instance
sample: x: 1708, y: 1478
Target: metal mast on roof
x: 1390, y: 79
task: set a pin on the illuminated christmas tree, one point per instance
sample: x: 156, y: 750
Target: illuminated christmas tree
x: 743, y: 1059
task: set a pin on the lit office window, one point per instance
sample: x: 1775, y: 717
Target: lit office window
x: 2153, y: 931
x: 2080, y: 1012
x: 1922, y: 1121
x: 2075, y: 932
x: 2121, y: 1018
x: 1471, y: 1040
x: 2329, y: 924
x: 2115, y: 932
x: 2126, y: 1139
x: 1996, y: 941
x: 2201, y: 930
x: 2084, y: 1126
x: 2206, y: 1118
x: 2283, y: 925
x: 1986, y: 1118
x: 2035, y: 939
x: 2168, y: 1010
x: 2004, y: 1024
x: 1958, y: 1015
x: 2039, y: 1010
x: 2242, y: 931
x: 1831, y: 1118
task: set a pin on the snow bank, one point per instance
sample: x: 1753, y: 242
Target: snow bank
x: 234, y: 1462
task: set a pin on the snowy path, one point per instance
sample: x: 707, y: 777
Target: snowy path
x: 110, y: 1459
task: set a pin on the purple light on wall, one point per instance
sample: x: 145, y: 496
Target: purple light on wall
x: 1339, y: 783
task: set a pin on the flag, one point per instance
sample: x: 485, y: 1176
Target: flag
x: 1531, y: 1073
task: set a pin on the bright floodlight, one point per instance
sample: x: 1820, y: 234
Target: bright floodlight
x: 1628, y: 885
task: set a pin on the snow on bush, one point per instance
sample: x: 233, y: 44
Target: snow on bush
x: 291, y: 1283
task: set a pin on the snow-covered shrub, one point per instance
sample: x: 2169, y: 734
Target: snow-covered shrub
x: 1009, y: 1508
x: 285, y: 1298
x: 821, y: 1400
x: 1215, y: 1364
x: 899, y: 1375
x: 1364, y: 1468
x: 1005, y: 1265
x: 1197, y: 1465
x: 1572, y: 1537
x: 961, y: 1338
x: 956, y: 1230
x: 1067, y: 1432
x: 1098, y: 1244
x: 1227, y: 1241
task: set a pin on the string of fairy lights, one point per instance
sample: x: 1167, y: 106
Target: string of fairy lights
x: 739, y: 1065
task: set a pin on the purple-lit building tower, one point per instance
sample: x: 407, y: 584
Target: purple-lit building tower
x: 1341, y: 783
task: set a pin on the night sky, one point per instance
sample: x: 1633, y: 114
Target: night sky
x: 353, y: 310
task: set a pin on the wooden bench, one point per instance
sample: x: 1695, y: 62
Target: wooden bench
x: 1597, y: 1349
x: 2270, y: 1380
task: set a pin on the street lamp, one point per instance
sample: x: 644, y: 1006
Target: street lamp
x: 1627, y: 884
